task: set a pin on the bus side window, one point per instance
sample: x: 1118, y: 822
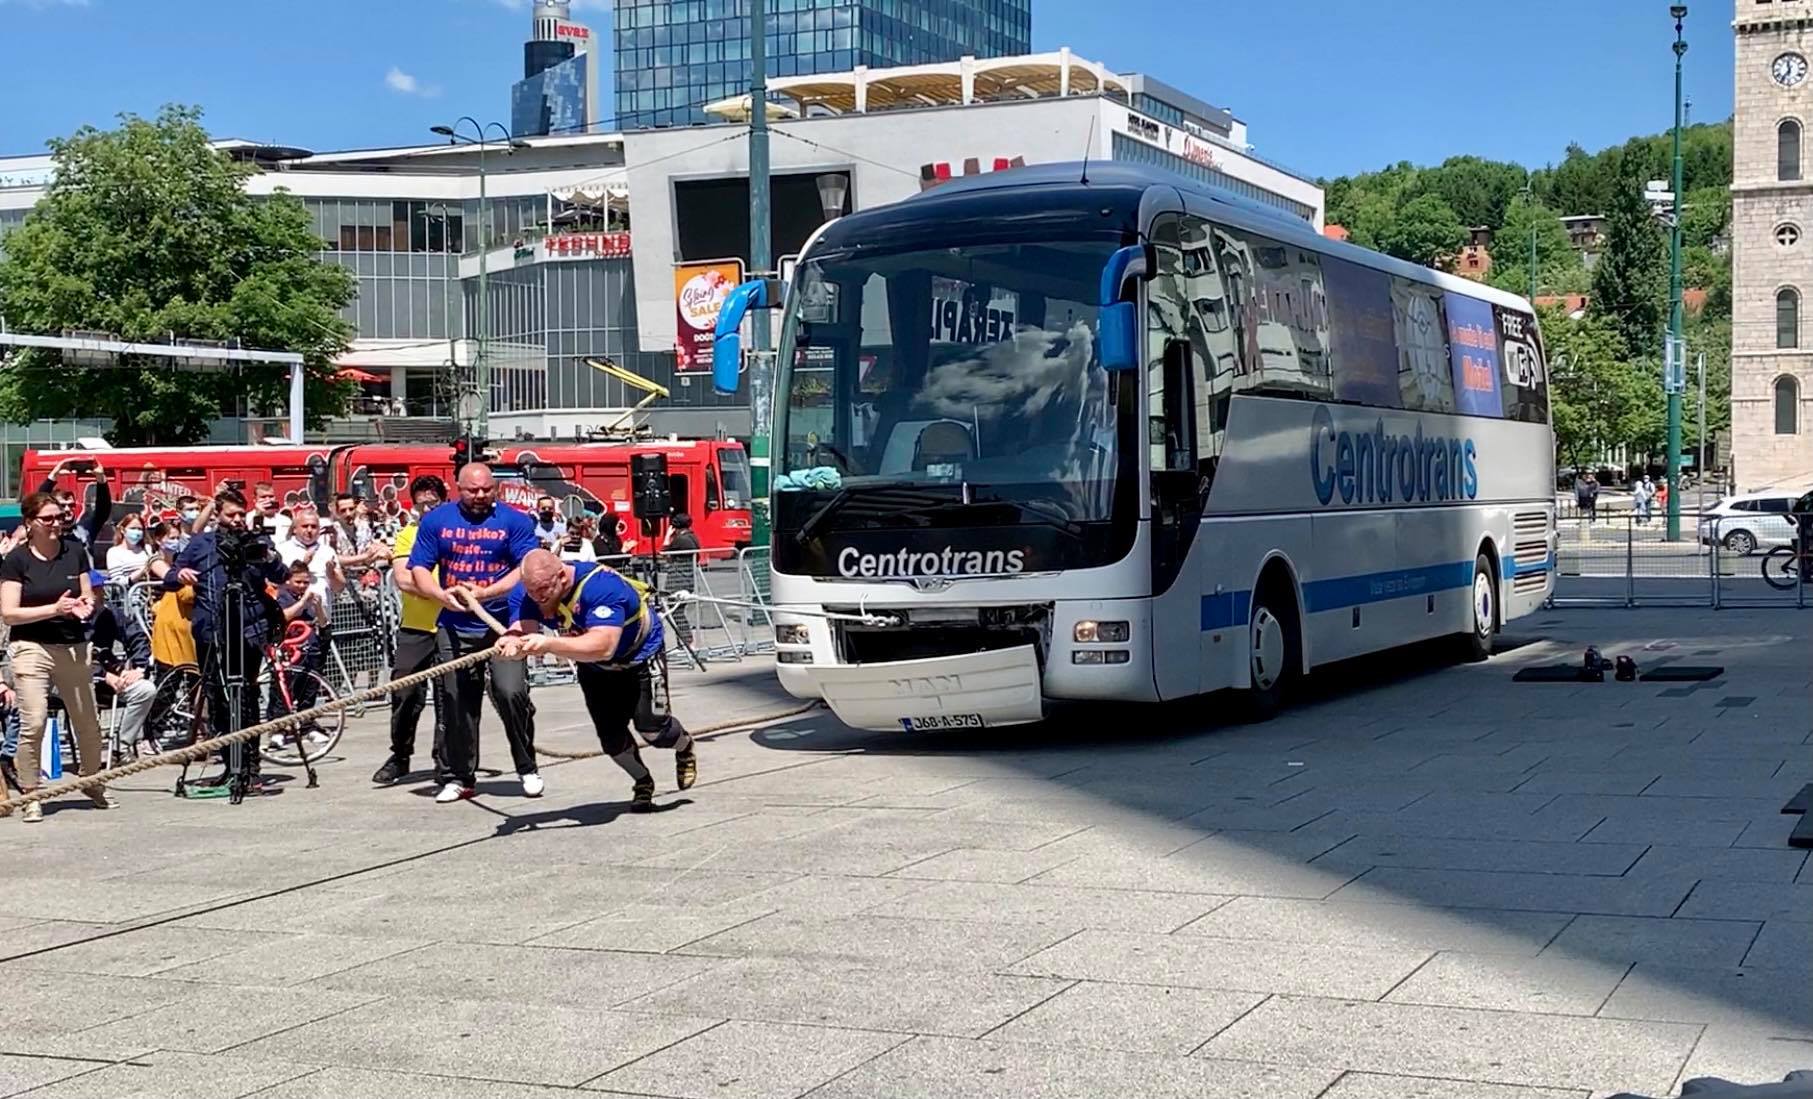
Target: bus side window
x: 677, y: 488
x: 1177, y: 420
x: 712, y: 500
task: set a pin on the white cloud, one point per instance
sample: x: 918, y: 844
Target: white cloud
x: 404, y: 84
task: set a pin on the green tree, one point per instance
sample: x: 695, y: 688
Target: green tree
x: 1706, y: 216
x: 1630, y: 281
x: 1479, y: 191
x: 1558, y: 266
x: 1600, y: 400
x: 1426, y: 231
x: 148, y: 232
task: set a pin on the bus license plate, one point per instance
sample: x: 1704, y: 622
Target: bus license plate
x: 942, y: 721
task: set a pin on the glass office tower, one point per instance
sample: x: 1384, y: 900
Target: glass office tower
x: 675, y: 56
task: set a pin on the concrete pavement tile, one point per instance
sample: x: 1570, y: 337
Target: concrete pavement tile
x: 1673, y: 810
x: 1132, y: 1018
x: 1528, y: 856
x: 1782, y: 944
x: 1372, y: 1085
x: 109, y: 951
x: 650, y: 928
x: 1768, y: 1000
x: 347, y: 1083
x: 1552, y: 984
x: 1632, y: 939
x: 164, y: 1074
x: 209, y: 1018
x: 821, y: 895
x: 1717, y: 784
x: 1550, y: 827
x: 289, y: 911
x: 521, y: 974
x: 951, y: 834
x: 1250, y: 965
x: 806, y: 854
x: 1749, y: 901
x: 943, y: 1068
x: 283, y: 960
x: 972, y: 864
x: 1645, y: 830
x: 1529, y: 892
x: 1709, y: 864
x: 20, y: 1073
x: 1631, y: 781
x: 1748, y: 1056
x: 517, y: 1043
x: 1050, y: 905
x: 1340, y: 923
x: 877, y: 940
x: 741, y: 1060
x: 46, y: 898
x: 49, y: 1004
x: 905, y: 998
x: 1555, y: 1051
x: 1215, y: 872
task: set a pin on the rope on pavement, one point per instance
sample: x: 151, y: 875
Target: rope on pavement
x: 722, y: 726
x: 201, y: 750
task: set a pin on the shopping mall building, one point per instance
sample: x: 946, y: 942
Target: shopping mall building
x: 586, y: 231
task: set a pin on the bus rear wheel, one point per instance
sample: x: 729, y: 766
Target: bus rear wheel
x: 1477, y: 643
x: 1274, y: 654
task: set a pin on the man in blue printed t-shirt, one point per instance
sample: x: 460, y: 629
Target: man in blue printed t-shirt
x: 614, y: 639
x: 477, y: 546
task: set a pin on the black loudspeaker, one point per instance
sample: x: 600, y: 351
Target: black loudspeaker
x: 648, y: 486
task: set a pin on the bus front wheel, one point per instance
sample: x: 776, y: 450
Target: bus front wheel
x: 1274, y: 654
x: 1483, y: 611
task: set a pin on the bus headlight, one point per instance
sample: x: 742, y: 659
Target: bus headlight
x: 1088, y: 632
x: 793, y: 658
x: 791, y: 635
x: 1099, y: 656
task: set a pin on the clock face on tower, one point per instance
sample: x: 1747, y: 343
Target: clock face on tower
x: 1789, y: 69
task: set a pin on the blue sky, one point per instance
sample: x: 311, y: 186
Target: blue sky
x: 1328, y: 87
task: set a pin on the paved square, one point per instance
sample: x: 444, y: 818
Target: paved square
x: 1423, y: 882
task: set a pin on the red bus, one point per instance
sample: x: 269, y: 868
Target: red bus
x: 708, y: 478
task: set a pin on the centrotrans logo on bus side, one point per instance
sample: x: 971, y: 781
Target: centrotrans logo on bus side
x: 1378, y: 467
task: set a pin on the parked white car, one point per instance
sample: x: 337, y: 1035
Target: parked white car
x: 1750, y: 521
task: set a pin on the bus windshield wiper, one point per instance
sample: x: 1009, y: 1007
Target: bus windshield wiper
x: 825, y: 511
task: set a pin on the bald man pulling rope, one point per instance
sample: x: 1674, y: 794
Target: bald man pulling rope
x: 613, y: 636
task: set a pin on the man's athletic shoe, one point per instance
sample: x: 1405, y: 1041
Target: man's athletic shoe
x: 532, y: 786
x: 686, y: 768
x: 101, y: 799
x: 452, y: 792
x: 32, y: 813
x: 642, y: 795
x: 392, y: 770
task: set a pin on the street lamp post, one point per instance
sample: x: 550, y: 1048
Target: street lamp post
x: 1674, y: 369
x: 761, y: 373
x: 1529, y: 206
x: 481, y: 422
x: 428, y: 216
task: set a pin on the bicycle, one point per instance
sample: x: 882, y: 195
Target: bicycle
x: 1783, y: 567
x: 286, y: 680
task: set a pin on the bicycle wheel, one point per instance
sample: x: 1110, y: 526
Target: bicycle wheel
x: 1781, y: 568
x: 315, y: 739
x: 178, y: 717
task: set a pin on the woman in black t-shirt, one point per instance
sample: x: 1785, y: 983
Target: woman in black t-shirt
x: 46, y: 599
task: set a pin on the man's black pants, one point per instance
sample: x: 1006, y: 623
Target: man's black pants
x: 464, y: 695
x: 250, y: 659
x: 415, y: 653
x: 617, y: 696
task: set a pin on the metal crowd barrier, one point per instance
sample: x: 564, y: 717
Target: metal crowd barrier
x: 1622, y: 560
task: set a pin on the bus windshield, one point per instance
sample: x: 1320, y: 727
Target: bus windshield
x: 734, y: 465
x: 970, y: 371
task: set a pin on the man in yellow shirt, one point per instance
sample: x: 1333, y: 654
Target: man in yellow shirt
x: 415, y: 641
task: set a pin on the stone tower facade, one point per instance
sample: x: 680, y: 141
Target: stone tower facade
x: 1772, y: 245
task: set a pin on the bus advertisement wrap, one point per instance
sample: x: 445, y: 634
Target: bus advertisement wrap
x: 1473, y: 347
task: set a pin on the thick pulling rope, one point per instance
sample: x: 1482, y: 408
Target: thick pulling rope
x: 201, y: 750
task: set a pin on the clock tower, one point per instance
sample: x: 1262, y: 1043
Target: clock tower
x: 1772, y: 246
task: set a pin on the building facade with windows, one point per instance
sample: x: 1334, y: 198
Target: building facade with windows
x: 586, y: 233
x: 675, y: 56
x: 1772, y: 257
x: 558, y: 93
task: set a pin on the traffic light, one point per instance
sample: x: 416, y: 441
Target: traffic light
x: 467, y: 449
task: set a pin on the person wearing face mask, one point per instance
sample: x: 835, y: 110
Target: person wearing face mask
x: 172, y: 640
x: 550, y: 528
x: 129, y: 557
x: 188, y: 508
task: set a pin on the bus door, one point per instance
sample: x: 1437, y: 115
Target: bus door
x: 1176, y: 481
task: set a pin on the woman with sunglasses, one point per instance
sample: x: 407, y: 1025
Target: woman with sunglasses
x: 46, y: 598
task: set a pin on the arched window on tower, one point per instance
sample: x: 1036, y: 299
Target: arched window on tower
x: 1787, y: 317
x: 1787, y: 150
x: 1787, y: 406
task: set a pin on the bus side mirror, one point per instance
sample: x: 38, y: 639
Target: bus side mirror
x: 1118, y: 327
x: 726, y: 338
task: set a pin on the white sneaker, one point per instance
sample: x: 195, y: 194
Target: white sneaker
x: 452, y: 792
x: 532, y: 786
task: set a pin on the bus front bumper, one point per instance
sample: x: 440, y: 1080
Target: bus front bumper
x: 973, y: 690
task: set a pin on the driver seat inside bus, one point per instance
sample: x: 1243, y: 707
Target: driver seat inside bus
x: 942, y: 442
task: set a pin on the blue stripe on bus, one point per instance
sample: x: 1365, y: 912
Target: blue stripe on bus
x: 1340, y: 592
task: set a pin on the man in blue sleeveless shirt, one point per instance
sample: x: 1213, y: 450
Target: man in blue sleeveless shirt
x: 612, y: 636
x: 476, y: 545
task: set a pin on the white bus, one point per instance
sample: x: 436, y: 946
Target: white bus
x: 1126, y: 437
